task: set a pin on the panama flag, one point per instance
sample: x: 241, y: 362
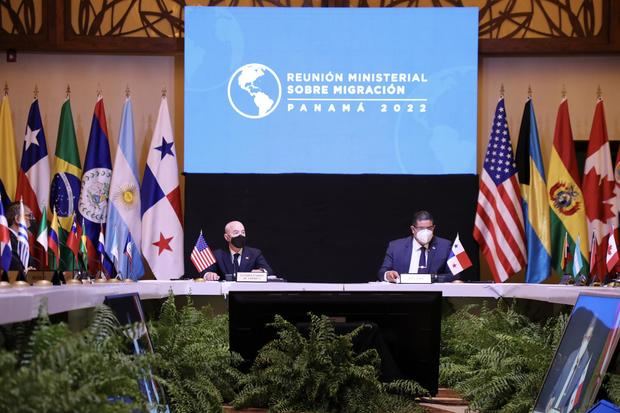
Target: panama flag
x: 93, y: 205
x: 458, y: 260
x: 5, y: 240
x: 598, y: 190
x: 33, y: 182
x: 162, y: 230
x: 53, y: 244
x: 8, y: 159
x: 65, y: 188
x: 124, y: 208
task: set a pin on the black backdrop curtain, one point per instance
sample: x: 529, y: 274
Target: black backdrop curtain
x: 327, y: 228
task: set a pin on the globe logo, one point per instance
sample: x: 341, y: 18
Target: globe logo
x: 254, y: 91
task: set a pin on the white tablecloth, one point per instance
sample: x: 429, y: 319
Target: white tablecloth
x: 19, y: 304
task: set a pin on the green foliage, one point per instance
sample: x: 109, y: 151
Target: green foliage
x: 193, y: 359
x: 497, y: 358
x: 612, y: 386
x: 320, y: 373
x: 56, y: 370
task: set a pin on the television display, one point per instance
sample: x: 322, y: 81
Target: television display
x: 405, y: 327
x: 580, y: 362
x: 272, y: 90
x: 128, y: 311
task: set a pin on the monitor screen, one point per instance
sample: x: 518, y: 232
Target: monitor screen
x: 582, y: 357
x: 335, y: 91
x: 128, y: 311
x: 405, y: 327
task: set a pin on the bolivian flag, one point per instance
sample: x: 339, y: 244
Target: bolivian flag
x: 568, y: 218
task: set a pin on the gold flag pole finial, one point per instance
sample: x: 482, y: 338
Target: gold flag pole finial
x: 164, y: 92
x: 127, y: 92
x: 35, y: 92
x: 529, y: 91
x: 6, y: 88
x: 99, y: 91
x: 563, y: 92
x: 599, y: 92
x: 501, y: 91
x: 68, y: 91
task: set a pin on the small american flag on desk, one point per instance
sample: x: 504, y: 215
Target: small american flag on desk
x: 201, y: 255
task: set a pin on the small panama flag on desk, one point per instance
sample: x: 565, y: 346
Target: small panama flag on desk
x: 458, y: 260
x: 201, y: 255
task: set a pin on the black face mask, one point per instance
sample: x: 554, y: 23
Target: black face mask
x: 238, y: 241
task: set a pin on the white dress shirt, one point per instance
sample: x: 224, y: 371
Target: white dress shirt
x: 416, y: 250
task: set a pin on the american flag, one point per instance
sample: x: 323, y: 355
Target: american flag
x: 201, y: 255
x: 499, y: 218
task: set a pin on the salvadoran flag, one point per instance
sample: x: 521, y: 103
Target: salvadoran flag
x: 124, y: 207
x: 162, y: 230
x: 458, y: 260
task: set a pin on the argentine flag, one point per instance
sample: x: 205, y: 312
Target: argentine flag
x: 124, y: 209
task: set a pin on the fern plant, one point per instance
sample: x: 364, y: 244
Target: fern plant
x: 197, y: 369
x: 56, y: 370
x: 321, y: 373
x: 497, y: 358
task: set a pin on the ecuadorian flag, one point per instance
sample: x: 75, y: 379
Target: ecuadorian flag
x: 534, y: 198
x: 568, y: 217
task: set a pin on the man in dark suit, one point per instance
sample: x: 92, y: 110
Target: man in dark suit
x: 421, y: 253
x: 237, y: 257
x: 12, y: 217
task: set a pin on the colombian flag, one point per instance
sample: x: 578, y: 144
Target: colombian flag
x: 53, y: 243
x: 568, y: 218
x: 8, y: 158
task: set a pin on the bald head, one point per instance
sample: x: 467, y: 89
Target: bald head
x: 233, y: 232
x: 234, y: 228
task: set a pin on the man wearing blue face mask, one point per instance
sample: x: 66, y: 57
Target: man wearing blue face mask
x: 421, y: 253
x: 237, y: 257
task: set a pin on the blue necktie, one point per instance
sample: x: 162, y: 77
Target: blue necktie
x: 422, y: 263
x: 235, y: 263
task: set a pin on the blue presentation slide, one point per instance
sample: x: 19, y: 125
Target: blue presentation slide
x: 333, y: 91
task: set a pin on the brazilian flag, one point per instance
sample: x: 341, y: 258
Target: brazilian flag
x: 66, y: 183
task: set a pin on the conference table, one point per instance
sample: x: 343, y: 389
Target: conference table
x: 22, y: 303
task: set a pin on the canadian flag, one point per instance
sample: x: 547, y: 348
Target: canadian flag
x: 612, y: 251
x: 458, y: 259
x: 598, y: 189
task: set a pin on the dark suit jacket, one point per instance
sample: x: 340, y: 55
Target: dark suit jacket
x: 398, y: 258
x: 16, y: 263
x: 251, y: 259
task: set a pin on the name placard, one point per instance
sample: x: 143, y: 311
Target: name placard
x: 252, y: 277
x: 415, y: 278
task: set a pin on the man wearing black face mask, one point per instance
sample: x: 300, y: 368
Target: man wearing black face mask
x: 237, y: 257
x: 12, y: 217
x: 421, y: 253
